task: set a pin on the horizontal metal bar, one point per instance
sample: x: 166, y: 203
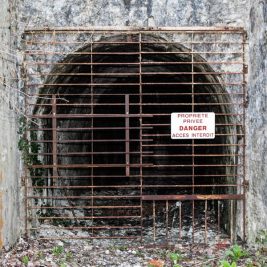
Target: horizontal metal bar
x: 132, y: 84
x: 78, y: 116
x: 131, y: 128
x: 81, y: 166
x: 191, y: 186
x: 90, y: 141
x: 70, y: 187
x: 82, y: 176
x: 135, y: 176
x: 192, y: 145
x: 190, y: 165
x: 84, y: 197
x: 81, y: 105
x: 102, y: 42
x: 131, y: 29
x: 168, y: 135
x: 75, y: 166
x: 90, y: 227
x: 110, y: 53
x: 86, y: 153
x: 192, y: 197
x: 75, y: 237
x: 84, y: 207
x: 117, y: 74
x: 43, y: 63
x: 134, y: 94
x: 192, y: 155
x: 168, y: 124
x: 190, y: 175
x: 88, y: 128
x: 136, y: 153
x: 70, y: 116
x: 86, y: 217
x: 129, y: 187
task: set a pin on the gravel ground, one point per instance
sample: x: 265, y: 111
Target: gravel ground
x: 84, y: 253
x: 35, y: 252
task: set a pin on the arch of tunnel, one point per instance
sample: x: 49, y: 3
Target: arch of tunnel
x: 110, y: 139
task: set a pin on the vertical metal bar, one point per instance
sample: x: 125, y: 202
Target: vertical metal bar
x: 180, y: 220
x: 54, y: 137
x: 154, y: 221
x: 127, y: 136
x: 26, y: 202
x: 167, y: 220
x: 26, y: 170
x: 206, y: 207
x: 193, y: 110
x: 193, y: 221
x: 141, y: 130
x: 231, y: 221
x: 244, y: 133
x: 193, y: 141
x: 219, y: 216
x: 92, y: 133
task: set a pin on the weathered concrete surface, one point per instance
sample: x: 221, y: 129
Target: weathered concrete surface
x: 257, y: 120
x: 135, y: 13
x: 9, y: 165
x: 246, y: 13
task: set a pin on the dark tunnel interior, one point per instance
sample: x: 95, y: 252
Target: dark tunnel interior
x: 163, y: 92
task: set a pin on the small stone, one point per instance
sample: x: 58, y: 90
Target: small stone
x: 118, y: 251
x: 88, y: 247
x: 107, y: 252
x: 60, y: 243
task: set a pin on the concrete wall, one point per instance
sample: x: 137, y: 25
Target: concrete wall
x: 257, y: 119
x: 135, y: 13
x: 10, y: 198
x: 246, y: 13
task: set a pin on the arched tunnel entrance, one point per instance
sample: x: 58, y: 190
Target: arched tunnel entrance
x: 111, y: 167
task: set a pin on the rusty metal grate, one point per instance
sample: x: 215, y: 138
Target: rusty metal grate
x: 99, y: 102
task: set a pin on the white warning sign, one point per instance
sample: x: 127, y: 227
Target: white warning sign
x: 194, y: 125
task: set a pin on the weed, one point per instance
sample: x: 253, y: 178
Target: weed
x: 175, y: 258
x: 225, y: 263
x: 69, y: 256
x: 58, y: 250
x: 25, y: 260
x: 139, y: 253
x: 235, y: 253
x: 40, y: 255
x: 122, y: 248
x: 29, y: 150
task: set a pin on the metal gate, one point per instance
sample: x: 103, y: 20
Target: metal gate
x: 101, y: 161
